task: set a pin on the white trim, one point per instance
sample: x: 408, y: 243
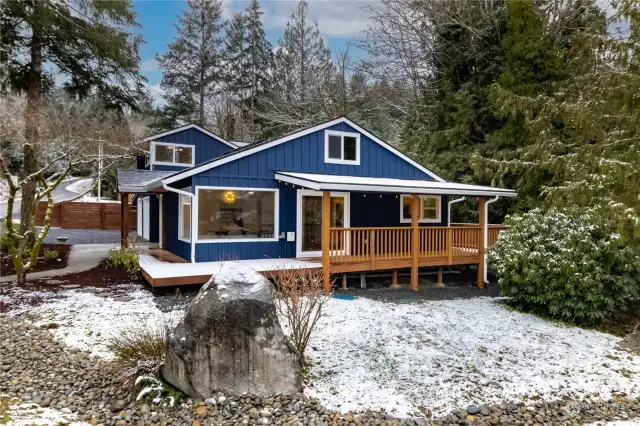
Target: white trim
x: 181, y: 217
x: 168, y: 163
x: 436, y: 190
x: 327, y: 159
x: 276, y: 215
x: 438, y: 219
x: 146, y: 218
x: 160, y: 218
x: 347, y: 218
x: 187, y: 127
x: 262, y: 147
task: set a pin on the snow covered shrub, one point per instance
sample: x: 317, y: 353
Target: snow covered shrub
x: 156, y: 389
x: 140, y: 351
x: 127, y: 258
x: 562, y: 266
x: 300, y: 296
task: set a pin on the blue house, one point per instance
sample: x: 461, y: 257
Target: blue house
x: 333, y: 195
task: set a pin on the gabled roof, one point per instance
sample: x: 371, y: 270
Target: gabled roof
x: 139, y: 180
x: 321, y: 182
x: 187, y: 127
x: 261, y: 146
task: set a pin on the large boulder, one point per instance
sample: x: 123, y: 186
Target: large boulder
x: 230, y: 340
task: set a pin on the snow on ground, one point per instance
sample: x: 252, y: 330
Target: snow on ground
x: 4, y: 188
x: 88, y: 321
x: 448, y: 354
x: 33, y: 415
x: 80, y: 186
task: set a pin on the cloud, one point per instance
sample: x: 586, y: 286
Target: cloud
x: 157, y: 94
x: 150, y: 65
x: 336, y: 18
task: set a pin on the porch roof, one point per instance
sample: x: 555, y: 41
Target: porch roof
x: 140, y: 180
x: 321, y: 182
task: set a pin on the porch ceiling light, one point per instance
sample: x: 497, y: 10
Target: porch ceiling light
x: 229, y: 197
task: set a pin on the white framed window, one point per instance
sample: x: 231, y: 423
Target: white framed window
x: 184, y: 218
x: 172, y: 154
x: 341, y: 147
x: 429, y: 209
x: 237, y: 214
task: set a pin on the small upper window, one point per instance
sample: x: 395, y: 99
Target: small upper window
x: 173, y: 154
x: 429, y: 209
x: 341, y: 147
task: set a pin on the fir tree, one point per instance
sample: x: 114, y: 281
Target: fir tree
x: 193, y: 64
x: 303, y: 70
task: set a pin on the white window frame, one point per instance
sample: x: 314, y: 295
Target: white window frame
x: 181, y: 218
x: 327, y: 159
x: 276, y: 216
x: 438, y: 218
x: 174, y: 163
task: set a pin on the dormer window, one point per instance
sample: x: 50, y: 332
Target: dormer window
x: 172, y: 154
x: 341, y: 147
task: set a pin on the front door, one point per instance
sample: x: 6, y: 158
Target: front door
x: 309, y: 223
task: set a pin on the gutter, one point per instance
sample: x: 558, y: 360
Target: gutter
x: 485, y: 231
x: 457, y: 200
x: 193, y: 197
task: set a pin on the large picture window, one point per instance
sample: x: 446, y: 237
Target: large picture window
x: 429, y: 209
x: 341, y: 147
x: 184, y: 218
x: 166, y: 153
x: 237, y: 214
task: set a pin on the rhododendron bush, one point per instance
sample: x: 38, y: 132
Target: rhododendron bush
x: 564, y: 266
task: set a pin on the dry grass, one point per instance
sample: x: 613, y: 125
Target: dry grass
x: 140, y: 351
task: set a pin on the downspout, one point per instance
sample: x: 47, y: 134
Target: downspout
x: 486, y: 233
x: 186, y: 194
x: 457, y: 200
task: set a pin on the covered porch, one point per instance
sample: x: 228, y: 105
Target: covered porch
x: 346, y: 249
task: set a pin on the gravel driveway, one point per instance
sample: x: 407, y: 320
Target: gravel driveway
x: 83, y: 236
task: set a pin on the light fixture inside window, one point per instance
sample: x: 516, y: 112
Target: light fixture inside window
x: 229, y: 197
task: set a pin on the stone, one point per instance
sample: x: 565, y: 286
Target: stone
x: 68, y: 286
x: 472, y: 409
x: 55, y: 282
x: 237, y: 312
x: 104, y: 294
x: 123, y: 299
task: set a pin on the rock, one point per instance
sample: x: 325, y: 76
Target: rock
x: 472, y: 409
x: 119, y: 405
x: 210, y: 401
x: 232, y: 314
x: 68, y: 286
x: 55, y: 282
x: 104, y: 294
x: 124, y: 299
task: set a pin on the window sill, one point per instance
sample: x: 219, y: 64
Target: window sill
x: 347, y: 162
x: 184, y: 240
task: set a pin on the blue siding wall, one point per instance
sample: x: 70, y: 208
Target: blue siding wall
x: 174, y: 245
x: 154, y: 219
x: 206, y: 147
x: 379, y: 210
x: 305, y: 154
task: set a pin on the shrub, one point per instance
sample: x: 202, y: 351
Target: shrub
x: 51, y: 254
x: 562, y: 266
x: 300, y: 297
x: 140, y: 351
x: 127, y: 258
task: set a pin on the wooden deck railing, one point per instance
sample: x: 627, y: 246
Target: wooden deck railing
x: 347, y: 245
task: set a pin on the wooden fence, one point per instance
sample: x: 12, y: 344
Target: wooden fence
x: 80, y: 215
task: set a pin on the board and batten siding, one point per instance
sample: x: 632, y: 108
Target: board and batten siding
x: 206, y: 147
x: 304, y: 154
x: 174, y: 244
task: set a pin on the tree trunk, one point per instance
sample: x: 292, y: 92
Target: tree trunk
x: 30, y: 161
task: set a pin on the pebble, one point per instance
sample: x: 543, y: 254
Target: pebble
x: 48, y: 372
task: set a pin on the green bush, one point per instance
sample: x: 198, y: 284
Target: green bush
x: 51, y: 254
x: 564, y: 267
x: 127, y: 258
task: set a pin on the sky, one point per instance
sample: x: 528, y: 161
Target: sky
x: 340, y: 21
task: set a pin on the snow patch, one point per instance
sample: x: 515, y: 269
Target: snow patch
x: 34, y: 415
x: 449, y: 354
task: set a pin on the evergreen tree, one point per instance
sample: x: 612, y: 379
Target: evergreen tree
x: 250, y: 63
x: 586, y: 133
x: 303, y: 71
x: 92, y: 45
x: 193, y: 64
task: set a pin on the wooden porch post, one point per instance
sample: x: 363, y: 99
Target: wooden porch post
x: 482, y: 205
x: 415, y: 241
x: 326, y: 235
x: 394, y: 279
x: 124, y: 220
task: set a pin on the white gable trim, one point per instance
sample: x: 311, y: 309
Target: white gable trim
x: 262, y: 147
x: 187, y: 127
